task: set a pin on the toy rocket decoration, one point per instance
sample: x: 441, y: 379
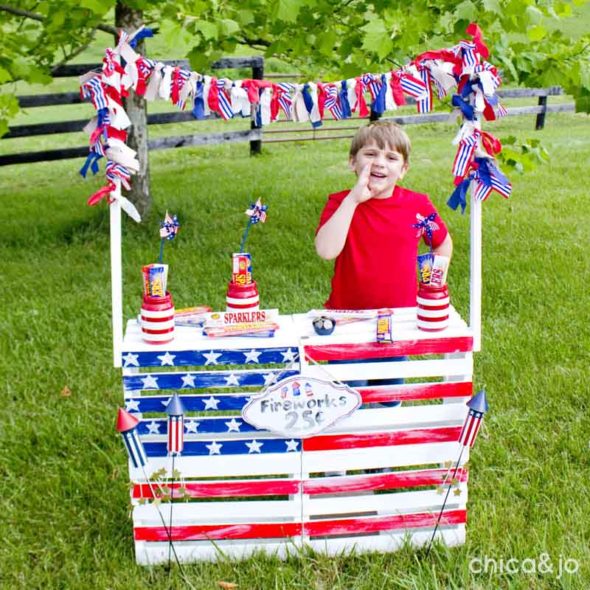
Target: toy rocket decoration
x: 478, y: 406
x: 175, y: 411
x: 127, y: 426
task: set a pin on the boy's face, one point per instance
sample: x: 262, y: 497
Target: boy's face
x: 387, y: 166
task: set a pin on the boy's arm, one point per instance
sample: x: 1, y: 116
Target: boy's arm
x: 445, y: 248
x: 331, y: 237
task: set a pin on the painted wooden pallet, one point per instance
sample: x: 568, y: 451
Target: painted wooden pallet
x: 371, y: 481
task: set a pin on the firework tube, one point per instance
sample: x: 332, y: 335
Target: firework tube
x: 440, y: 266
x: 425, y: 267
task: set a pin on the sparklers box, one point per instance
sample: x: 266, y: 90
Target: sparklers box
x: 247, y: 487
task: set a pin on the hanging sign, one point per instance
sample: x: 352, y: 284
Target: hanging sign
x: 301, y: 406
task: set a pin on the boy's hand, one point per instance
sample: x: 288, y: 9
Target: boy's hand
x: 362, y: 191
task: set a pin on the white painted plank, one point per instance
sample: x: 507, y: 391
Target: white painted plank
x: 191, y: 338
x: 380, y: 419
x: 148, y: 553
x: 389, y: 541
x: 379, y: 457
x: 404, y: 328
x: 188, y: 552
x: 226, y: 465
x: 475, y: 265
x: 116, y: 276
x: 396, y: 369
x: 229, y: 512
x: 392, y: 503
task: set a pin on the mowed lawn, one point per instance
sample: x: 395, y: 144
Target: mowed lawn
x: 64, y: 495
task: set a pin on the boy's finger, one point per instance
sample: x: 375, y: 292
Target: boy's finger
x: 365, y: 172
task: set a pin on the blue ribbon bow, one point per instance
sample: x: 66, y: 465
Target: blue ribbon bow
x: 467, y: 110
x: 199, y: 102
x: 459, y: 196
x: 143, y: 34
x: 344, y: 104
x: 308, y: 100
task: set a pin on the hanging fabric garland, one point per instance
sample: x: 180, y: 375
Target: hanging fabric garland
x: 462, y: 68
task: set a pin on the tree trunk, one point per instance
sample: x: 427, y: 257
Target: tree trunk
x: 130, y: 20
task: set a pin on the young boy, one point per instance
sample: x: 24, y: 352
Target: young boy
x: 370, y: 231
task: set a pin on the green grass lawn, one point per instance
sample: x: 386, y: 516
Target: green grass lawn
x: 64, y: 487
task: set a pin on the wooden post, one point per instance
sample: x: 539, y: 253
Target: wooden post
x: 540, y: 123
x: 475, y: 273
x: 256, y: 144
x: 116, y: 278
x: 135, y: 106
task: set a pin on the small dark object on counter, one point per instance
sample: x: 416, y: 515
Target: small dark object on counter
x: 324, y: 326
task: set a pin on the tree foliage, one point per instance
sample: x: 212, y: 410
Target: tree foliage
x: 534, y: 42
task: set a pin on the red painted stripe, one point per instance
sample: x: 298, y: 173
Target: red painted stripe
x: 316, y: 486
x: 382, y: 439
x: 207, y: 532
x: 419, y: 391
x: 381, y: 481
x: 252, y: 305
x: 370, y: 350
x: 227, y: 489
x: 156, y: 320
x: 438, y: 318
x: 374, y: 524
x: 148, y: 331
x: 432, y: 307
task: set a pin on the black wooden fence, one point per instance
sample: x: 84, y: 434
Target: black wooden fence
x: 280, y: 132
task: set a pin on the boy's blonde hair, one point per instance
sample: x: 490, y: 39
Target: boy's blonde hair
x: 384, y: 134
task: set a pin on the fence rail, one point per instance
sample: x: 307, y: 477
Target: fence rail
x: 254, y: 135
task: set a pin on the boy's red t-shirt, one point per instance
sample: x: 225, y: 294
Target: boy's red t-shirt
x: 377, y: 267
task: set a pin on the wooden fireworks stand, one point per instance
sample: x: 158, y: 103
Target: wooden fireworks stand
x: 372, y: 481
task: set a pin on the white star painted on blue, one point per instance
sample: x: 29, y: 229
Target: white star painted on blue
x: 289, y: 355
x: 188, y: 380
x: 211, y: 357
x: 231, y: 380
x: 254, y: 446
x: 211, y: 403
x: 153, y: 427
x: 167, y: 359
x: 252, y: 356
x: 270, y: 378
x: 132, y: 405
x: 214, y: 448
x: 165, y: 402
x: 150, y: 382
x: 292, y: 445
x: 233, y: 425
x: 130, y: 360
x: 191, y: 426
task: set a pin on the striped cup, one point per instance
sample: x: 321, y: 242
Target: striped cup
x: 433, y: 308
x: 157, y: 319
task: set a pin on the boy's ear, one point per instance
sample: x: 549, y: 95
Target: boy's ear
x: 351, y: 162
x: 405, y: 168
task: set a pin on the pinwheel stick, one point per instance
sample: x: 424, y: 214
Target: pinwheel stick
x: 161, y: 256
x: 245, y: 235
